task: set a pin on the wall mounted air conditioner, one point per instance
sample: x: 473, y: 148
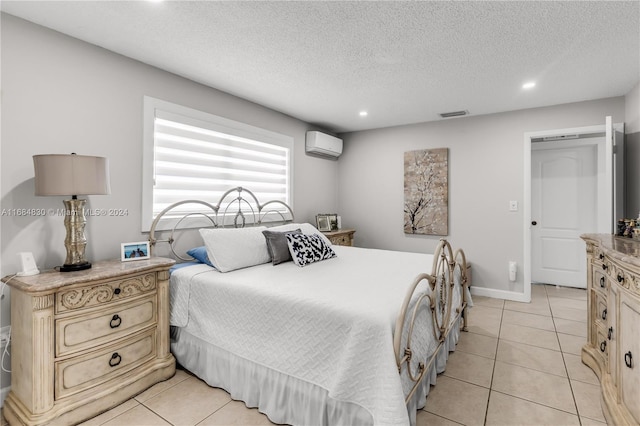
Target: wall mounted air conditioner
x: 319, y: 143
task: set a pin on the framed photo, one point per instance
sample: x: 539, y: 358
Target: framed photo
x: 333, y: 221
x: 134, y: 251
x: 323, y: 222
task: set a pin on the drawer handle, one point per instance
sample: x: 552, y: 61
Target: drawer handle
x: 604, y: 267
x: 628, y: 359
x: 601, y: 256
x: 115, y: 359
x: 117, y: 291
x: 620, y: 278
x: 604, y: 314
x: 115, y: 321
x: 603, y: 346
x: 610, y: 333
x: 602, y: 282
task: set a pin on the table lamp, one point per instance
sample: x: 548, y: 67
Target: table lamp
x: 71, y: 174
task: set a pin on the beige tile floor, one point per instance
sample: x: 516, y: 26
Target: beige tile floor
x: 519, y: 364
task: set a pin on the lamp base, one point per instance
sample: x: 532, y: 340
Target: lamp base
x: 75, y: 267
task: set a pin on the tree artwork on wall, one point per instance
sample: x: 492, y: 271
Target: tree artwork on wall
x: 426, y: 192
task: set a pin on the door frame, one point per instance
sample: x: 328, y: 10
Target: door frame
x: 528, y: 136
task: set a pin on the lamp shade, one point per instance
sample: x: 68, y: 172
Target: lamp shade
x: 71, y: 174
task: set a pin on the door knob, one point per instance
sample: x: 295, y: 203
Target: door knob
x: 534, y: 223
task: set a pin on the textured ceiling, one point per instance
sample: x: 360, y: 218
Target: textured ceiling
x: 403, y: 62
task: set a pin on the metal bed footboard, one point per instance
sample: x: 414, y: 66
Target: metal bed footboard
x: 447, y: 266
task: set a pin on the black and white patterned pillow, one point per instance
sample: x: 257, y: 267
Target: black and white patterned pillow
x: 306, y: 249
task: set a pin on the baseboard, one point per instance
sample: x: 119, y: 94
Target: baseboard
x: 498, y: 294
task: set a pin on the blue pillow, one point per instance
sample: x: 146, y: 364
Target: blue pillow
x: 200, y: 254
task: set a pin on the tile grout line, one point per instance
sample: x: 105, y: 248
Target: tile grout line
x: 577, y: 414
x: 495, y: 359
x: 564, y: 361
x: 215, y: 411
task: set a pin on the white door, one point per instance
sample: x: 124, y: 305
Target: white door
x: 563, y: 206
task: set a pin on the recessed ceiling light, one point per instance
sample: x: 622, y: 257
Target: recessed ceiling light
x: 363, y: 113
x: 529, y: 85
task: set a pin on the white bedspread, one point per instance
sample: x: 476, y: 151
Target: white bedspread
x: 329, y: 323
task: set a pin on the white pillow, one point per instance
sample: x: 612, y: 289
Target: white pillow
x: 230, y: 248
x: 306, y: 228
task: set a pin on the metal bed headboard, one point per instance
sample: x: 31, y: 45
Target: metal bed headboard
x: 236, y: 208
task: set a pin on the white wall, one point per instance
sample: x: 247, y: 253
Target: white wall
x: 632, y: 110
x: 61, y: 95
x: 486, y: 157
x: 632, y: 152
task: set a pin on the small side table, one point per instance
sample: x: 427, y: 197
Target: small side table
x: 86, y: 341
x: 341, y: 237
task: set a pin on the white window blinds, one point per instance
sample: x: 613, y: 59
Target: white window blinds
x: 198, y: 156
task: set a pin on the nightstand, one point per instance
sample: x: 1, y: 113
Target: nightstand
x: 341, y: 237
x: 83, y: 342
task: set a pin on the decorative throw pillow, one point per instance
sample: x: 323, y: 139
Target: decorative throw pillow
x: 306, y: 228
x: 306, y: 249
x: 277, y: 245
x: 230, y: 248
x: 200, y: 254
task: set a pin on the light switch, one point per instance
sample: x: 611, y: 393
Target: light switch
x: 513, y: 206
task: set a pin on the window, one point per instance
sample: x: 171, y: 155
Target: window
x: 189, y: 154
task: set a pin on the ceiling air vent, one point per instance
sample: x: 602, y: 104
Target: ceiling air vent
x: 453, y: 114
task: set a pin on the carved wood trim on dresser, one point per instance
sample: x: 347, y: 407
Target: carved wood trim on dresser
x: 612, y: 350
x: 87, y: 341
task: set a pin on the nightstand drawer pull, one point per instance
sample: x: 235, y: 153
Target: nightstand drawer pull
x: 601, y: 256
x: 602, y: 282
x: 604, y: 314
x: 620, y: 278
x: 115, y: 321
x: 116, y: 291
x: 628, y: 359
x: 603, y: 346
x: 604, y: 266
x: 610, y: 333
x: 115, y: 359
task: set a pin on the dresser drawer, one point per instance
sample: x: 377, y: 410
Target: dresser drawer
x: 88, y: 331
x: 602, y: 343
x: 601, y: 312
x: 599, y: 280
x: 88, y: 371
x: 341, y: 240
x: 90, y: 296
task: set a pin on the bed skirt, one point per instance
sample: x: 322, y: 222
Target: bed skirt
x: 281, y: 397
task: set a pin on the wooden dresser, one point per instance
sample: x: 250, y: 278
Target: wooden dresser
x: 83, y: 342
x: 341, y: 237
x: 613, y: 324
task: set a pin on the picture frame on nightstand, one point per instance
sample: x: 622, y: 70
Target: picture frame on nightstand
x: 326, y: 222
x: 323, y: 222
x: 333, y: 221
x: 134, y: 251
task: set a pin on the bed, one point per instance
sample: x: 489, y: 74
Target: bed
x: 356, y: 337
